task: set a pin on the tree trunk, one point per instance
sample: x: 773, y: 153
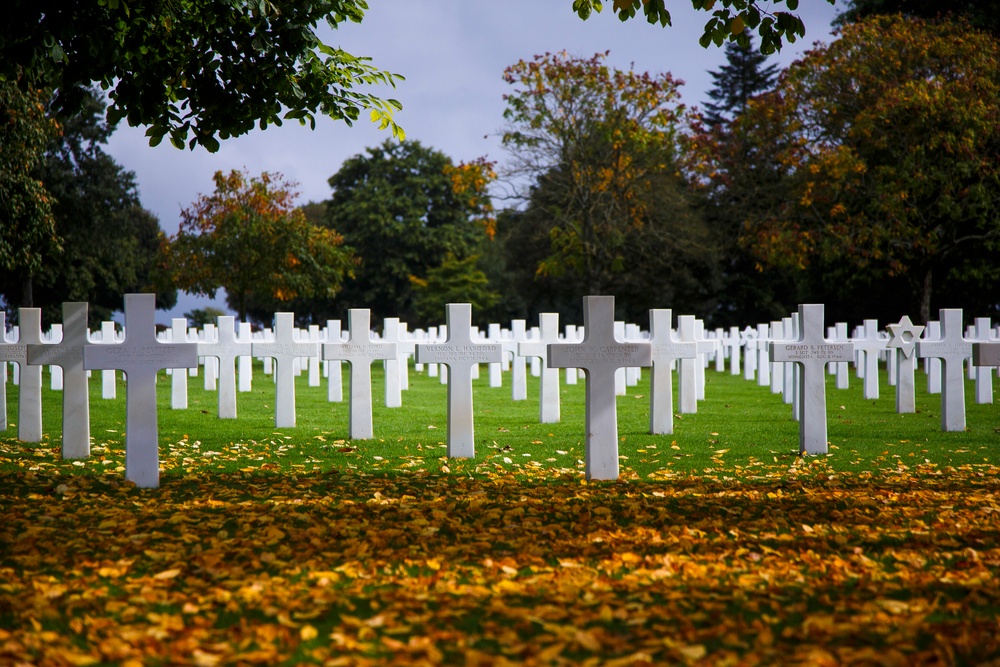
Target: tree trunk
x: 925, y: 299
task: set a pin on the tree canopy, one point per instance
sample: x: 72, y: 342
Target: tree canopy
x: 404, y: 209
x: 249, y: 238
x: 28, y: 229
x: 596, y: 149
x: 732, y: 20
x: 883, y: 149
x: 200, y: 68
x: 103, y: 242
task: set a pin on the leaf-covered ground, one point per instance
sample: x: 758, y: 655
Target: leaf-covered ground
x: 441, y: 568
x: 717, y: 546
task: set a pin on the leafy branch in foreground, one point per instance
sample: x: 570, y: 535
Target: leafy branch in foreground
x: 732, y: 20
x: 197, y: 68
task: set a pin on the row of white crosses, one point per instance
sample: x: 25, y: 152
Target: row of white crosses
x: 600, y: 355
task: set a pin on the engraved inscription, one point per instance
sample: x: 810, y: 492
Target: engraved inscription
x: 225, y: 350
x: 283, y: 350
x: 822, y: 352
x: 54, y: 354
x: 615, y: 355
x: 443, y: 354
x: 944, y: 350
x: 13, y: 352
x: 673, y: 350
x: 358, y: 351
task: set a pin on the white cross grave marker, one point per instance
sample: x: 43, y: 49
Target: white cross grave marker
x: 245, y: 361
x: 29, y: 397
x: 600, y: 355
x: 548, y: 392
x: 763, y: 356
x: 868, y: 344
x: 459, y: 353
x: 665, y: 350
x: 392, y: 368
x: 518, y: 368
x: 227, y: 350
x: 688, y: 370
x: 141, y: 357
x: 109, y: 381
x: 952, y: 349
x: 812, y: 353
x: 359, y: 351
x: 284, y: 349
x: 335, y: 372
x: 68, y: 354
x: 178, y: 376
x: 983, y: 376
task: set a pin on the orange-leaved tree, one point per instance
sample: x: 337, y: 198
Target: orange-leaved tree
x: 595, y: 153
x: 249, y: 238
x: 884, y: 151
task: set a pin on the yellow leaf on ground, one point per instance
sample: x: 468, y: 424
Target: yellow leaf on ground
x: 167, y: 574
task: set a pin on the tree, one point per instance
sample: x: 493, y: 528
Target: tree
x: 453, y: 281
x: 731, y: 19
x: 209, y: 69
x: 733, y: 175
x: 982, y: 14
x: 892, y: 155
x: 249, y: 238
x: 199, y: 317
x: 27, y: 231
x: 108, y: 244
x: 404, y: 209
x: 743, y: 77
x: 598, y: 150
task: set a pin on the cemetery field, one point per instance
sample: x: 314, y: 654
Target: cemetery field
x: 718, y: 545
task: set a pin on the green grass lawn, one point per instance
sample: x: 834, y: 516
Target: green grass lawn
x: 718, y: 545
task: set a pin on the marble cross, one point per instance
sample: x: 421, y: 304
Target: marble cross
x: 141, y: 357
x: 178, y: 376
x: 952, y: 349
x: 29, y: 397
x: 548, y: 392
x: 748, y: 338
x: 518, y: 367
x: 109, y: 379
x: 392, y: 368
x: 495, y: 369
x: 763, y: 356
x: 335, y: 372
x: 600, y: 355
x: 665, y: 350
x: 284, y: 349
x: 687, y: 371
x: 459, y: 353
x: 903, y: 343
x: 227, y: 350
x: 245, y: 363
x: 68, y: 354
x: 359, y: 351
x: 812, y: 353
x: 868, y: 345
x: 983, y: 375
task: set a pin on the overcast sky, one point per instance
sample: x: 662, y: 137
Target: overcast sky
x: 453, y: 55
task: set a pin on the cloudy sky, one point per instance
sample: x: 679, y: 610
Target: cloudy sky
x: 452, y: 55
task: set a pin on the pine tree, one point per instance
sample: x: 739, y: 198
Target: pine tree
x: 741, y: 78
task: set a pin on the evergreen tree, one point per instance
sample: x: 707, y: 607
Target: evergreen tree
x: 742, y: 77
